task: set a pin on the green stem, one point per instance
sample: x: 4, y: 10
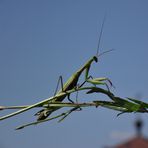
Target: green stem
x: 56, y: 104
x: 37, y: 122
x: 13, y: 107
x: 44, y: 102
x: 106, y: 104
x: 65, y: 114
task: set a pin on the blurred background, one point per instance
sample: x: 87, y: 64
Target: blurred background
x: 40, y: 40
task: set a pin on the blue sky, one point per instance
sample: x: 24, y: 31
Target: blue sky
x: 40, y: 40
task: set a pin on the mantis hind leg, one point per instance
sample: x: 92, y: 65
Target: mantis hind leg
x: 60, y: 80
x: 68, y: 97
x: 77, y: 93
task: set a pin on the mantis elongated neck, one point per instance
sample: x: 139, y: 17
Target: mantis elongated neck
x: 87, y: 64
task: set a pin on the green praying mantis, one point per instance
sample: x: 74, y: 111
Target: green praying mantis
x: 69, y: 87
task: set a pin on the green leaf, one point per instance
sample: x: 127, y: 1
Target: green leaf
x: 101, y: 90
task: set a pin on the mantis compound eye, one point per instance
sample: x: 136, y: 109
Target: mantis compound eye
x: 95, y: 59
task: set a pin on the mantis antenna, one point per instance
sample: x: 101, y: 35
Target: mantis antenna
x: 100, y: 36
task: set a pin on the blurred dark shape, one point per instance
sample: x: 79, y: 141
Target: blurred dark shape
x: 139, y: 141
x: 139, y: 126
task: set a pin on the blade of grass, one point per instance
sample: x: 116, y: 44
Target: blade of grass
x: 43, y: 102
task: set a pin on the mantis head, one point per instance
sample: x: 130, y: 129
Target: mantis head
x: 95, y: 59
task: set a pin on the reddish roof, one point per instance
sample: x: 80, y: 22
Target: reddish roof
x: 137, y: 142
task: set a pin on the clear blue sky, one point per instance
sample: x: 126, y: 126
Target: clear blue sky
x: 40, y: 40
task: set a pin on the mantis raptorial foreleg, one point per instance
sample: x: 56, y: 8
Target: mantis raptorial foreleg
x: 100, y: 81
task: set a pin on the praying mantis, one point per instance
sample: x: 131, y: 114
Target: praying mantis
x: 55, y: 102
x: 69, y: 87
x: 72, y: 82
